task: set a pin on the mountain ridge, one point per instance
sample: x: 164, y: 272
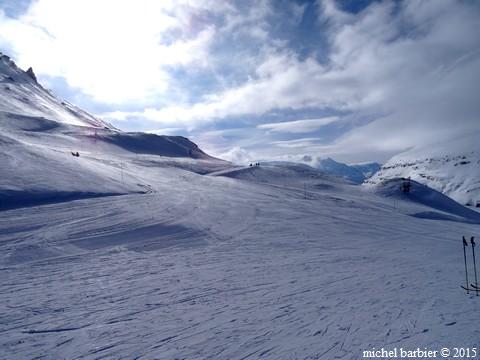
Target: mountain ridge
x: 50, y: 150
x: 356, y: 173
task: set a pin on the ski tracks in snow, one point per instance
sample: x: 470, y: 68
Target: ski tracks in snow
x: 236, y: 272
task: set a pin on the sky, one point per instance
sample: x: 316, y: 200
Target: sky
x: 293, y: 80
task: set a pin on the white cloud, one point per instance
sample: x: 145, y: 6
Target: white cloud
x: 416, y: 65
x: 296, y: 143
x: 282, y: 81
x: 299, y: 126
x: 411, y: 63
x: 238, y: 155
x: 115, y: 51
x: 165, y: 131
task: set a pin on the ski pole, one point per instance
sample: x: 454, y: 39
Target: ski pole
x: 465, y: 244
x: 474, y: 263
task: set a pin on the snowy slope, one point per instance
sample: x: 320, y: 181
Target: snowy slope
x: 223, y: 268
x: 452, y: 168
x: 20, y: 93
x: 39, y: 134
x: 445, y: 208
x: 281, y: 173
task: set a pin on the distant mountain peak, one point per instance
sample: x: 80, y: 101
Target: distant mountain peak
x: 22, y: 94
x: 354, y: 173
x: 30, y: 73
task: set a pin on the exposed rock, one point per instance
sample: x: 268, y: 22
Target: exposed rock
x: 30, y: 73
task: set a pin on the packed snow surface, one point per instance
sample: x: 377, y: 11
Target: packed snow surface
x: 219, y: 267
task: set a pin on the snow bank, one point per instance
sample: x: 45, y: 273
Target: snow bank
x: 424, y: 195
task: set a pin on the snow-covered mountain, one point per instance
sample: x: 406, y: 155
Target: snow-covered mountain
x: 452, y: 168
x: 356, y: 173
x: 21, y: 94
x: 194, y: 258
x: 40, y: 134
